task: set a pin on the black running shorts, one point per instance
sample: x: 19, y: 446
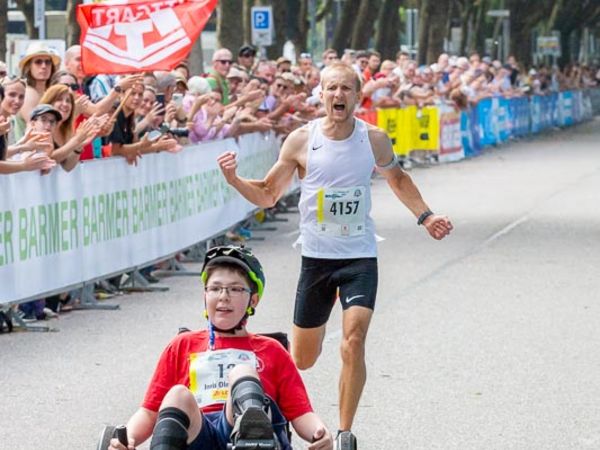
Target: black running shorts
x: 318, y: 284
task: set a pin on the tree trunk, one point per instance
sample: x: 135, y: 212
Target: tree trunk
x: 437, y: 30
x: 465, y: 17
x: 229, y: 24
x: 520, y: 33
x: 3, y: 29
x: 424, y: 15
x: 196, y: 58
x: 449, y: 17
x: 343, y: 30
x: 365, y: 21
x: 556, y: 10
x: 495, y: 35
x: 300, y: 31
x: 388, y: 29
x: 478, y: 43
x: 246, y: 21
x: 279, y: 19
x: 26, y: 7
x: 73, y: 30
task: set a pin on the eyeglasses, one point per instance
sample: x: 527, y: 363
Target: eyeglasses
x: 233, y: 292
x: 247, y: 55
x: 281, y: 86
x: 224, y: 61
x: 72, y: 86
x: 39, y: 62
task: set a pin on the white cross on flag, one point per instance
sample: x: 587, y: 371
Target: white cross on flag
x: 139, y: 35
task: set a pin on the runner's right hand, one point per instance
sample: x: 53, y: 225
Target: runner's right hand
x: 228, y: 164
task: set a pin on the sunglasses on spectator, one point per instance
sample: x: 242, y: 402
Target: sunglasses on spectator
x: 281, y: 86
x: 72, y: 86
x: 39, y: 62
x: 225, y: 61
x: 247, y: 55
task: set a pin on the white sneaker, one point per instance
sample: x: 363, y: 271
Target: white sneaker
x: 50, y: 314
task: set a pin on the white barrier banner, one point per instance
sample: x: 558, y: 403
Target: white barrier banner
x: 62, y: 229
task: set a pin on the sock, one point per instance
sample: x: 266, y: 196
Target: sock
x: 170, y: 431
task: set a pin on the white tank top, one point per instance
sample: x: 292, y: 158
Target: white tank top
x: 335, y: 196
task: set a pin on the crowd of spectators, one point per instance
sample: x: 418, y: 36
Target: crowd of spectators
x: 52, y: 115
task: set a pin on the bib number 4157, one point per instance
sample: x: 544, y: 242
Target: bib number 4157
x: 344, y: 208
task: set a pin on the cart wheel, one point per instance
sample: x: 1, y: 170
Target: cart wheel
x: 105, y: 436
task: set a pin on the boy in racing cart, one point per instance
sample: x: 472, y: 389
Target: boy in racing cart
x: 224, y: 385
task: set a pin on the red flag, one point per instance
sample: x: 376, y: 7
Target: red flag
x: 140, y: 35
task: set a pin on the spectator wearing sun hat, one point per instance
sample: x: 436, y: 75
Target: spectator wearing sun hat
x: 37, y: 67
x: 181, y: 86
x: 237, y: 80
x: 283, y: 64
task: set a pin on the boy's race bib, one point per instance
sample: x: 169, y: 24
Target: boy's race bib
x: 209, y: 373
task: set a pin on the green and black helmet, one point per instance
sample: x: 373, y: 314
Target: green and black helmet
x: 236, y: 255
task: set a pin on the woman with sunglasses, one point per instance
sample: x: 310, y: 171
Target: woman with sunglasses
x: 37, y: 67
x: 68, y: 143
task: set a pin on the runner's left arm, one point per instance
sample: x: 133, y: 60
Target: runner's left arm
x: 403, y: 186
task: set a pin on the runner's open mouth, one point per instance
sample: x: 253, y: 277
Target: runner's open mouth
x: 339, y: 106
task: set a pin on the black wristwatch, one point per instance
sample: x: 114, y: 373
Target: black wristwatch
x: 118, y: 89
x: 424, y: 216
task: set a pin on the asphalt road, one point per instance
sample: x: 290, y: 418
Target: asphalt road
x: 486, y: 340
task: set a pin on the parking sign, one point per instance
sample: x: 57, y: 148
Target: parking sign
x: 262, y: 25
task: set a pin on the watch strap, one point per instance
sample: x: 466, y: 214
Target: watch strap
x: 424, y: 216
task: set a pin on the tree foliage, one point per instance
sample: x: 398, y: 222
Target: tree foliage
x: 26, y: 7
x: 376, y: 23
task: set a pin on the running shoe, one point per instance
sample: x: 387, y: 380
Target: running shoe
x: 345, y: 441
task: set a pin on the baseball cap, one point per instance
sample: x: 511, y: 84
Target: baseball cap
x: 44, y: 108
x: 247, y: 50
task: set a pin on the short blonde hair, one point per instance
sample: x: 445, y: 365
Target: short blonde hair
x: 342, y: 67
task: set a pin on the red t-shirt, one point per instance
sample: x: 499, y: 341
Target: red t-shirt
x: 88, y: 149
x: 276, y: 369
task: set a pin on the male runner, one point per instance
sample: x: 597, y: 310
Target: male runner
x: 335, y: 157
